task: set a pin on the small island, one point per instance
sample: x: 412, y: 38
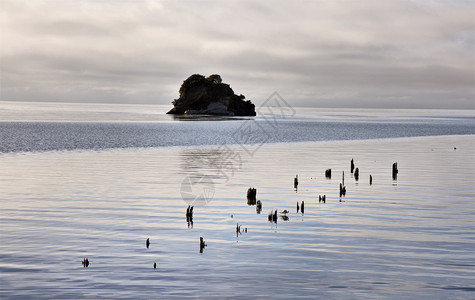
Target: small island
x: 200, y: 95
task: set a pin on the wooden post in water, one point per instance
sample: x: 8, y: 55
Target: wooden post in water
x: 189, y: 215
x: 357, y: 174
x: 202, y: 244
x: 251, y: 196
x: 85, y: 262
x: 395, y: 171
x: 272, y: 217
x: 258, y: 206
x: 342, y: 190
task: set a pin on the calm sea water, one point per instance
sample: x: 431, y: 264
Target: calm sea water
x: 96, y: 181
x: 36, y: 127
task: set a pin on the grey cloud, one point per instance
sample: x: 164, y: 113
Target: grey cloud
x: 317, y: 53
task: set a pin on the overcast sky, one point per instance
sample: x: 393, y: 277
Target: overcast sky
x: 370, y: 53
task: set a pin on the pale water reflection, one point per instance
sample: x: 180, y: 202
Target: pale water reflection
x: 410, y: 238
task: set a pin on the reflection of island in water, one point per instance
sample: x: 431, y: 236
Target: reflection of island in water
x: 209, y: 118
x: 217, y: 163
x: 203, y: 168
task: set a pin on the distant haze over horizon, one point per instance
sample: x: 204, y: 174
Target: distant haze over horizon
x: 371, y: 54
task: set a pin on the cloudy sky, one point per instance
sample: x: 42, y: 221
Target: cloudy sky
x: 332, y: 53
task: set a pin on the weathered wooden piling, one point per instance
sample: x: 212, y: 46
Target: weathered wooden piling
x: 85, y: 262
x: 238, y: 229
x: 155, y: 265
x: 258, y: 206
x: 328, y: 173
x: 189, y: 215
x: 357, y: 174
x: 251, y: 193
x: 370, y: 179
x: 298, y: 207
x: 189, y: 212
x: 352, y: 166
x: 322, y: 198
x: 342, y: 190
x: 296, y: 181
x: 395, y: 171
x: 343, y: 178
x: 202, y: 244
x: 251, y: 196
x: 147, y: 243
x: 302, y: 207
x: 272, y: 217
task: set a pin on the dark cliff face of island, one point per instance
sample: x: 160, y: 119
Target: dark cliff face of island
x: 210, y: 96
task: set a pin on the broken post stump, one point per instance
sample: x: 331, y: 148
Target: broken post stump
x: 85, y: 262
x: 189, y: 214
x: 258, y: 206
x: 251, y: 196
x: 202, y: 244
x: 322, y: 198
x: 395, y: 171
x: 342, y: 190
